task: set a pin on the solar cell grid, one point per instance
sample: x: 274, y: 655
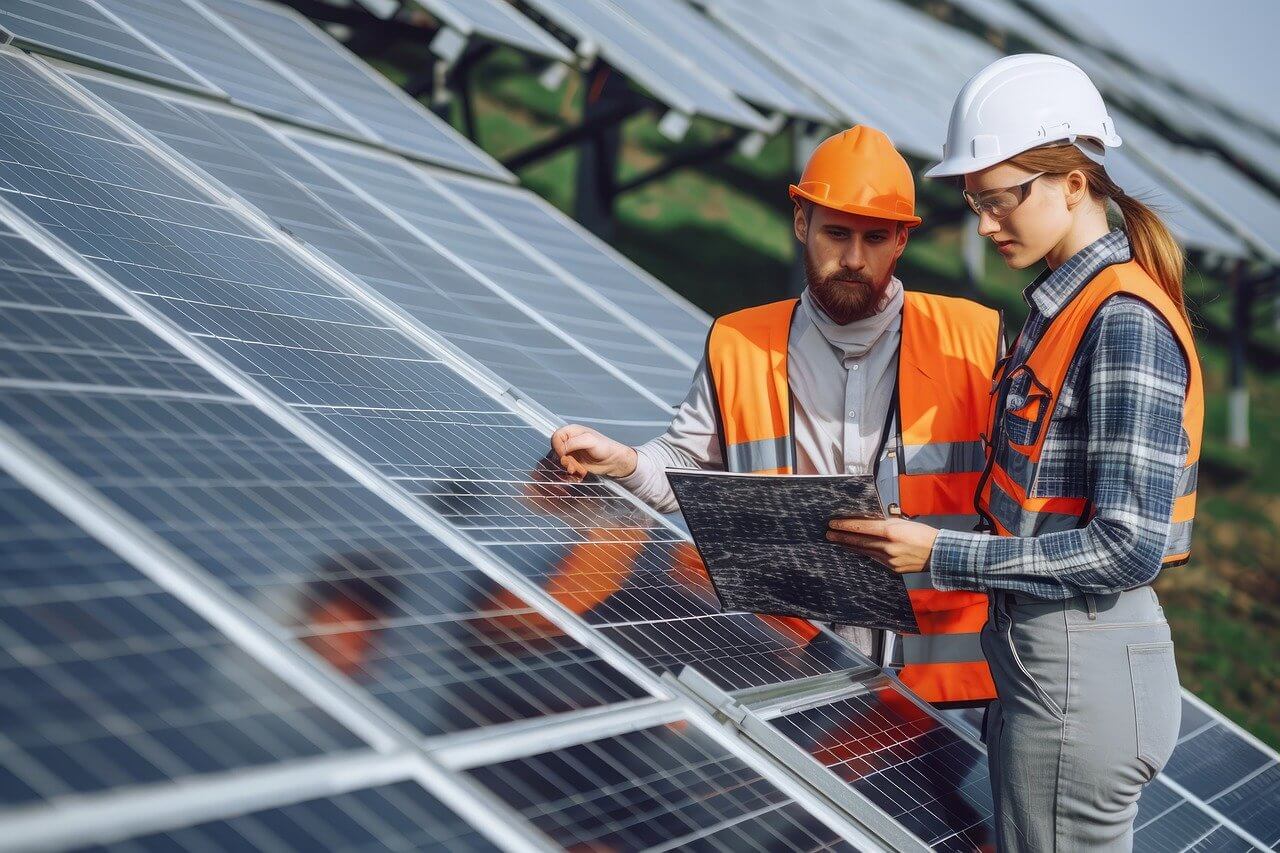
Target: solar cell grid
x: 184, y: 31
x: 499, y: 21
x: 392, y: 404
x: 411, y: 193
x: 387, y: 113
x: 80, y: 29
x: 106, y: 680
x: 672, y: 77
x: 602, y: 269
x: 904, y: 761
x: 265, y: 170
x: 656, y: 789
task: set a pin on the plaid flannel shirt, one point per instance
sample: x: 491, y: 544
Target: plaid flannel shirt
x: 1115, y: 437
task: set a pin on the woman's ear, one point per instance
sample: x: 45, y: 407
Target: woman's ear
x: 1075, y: 187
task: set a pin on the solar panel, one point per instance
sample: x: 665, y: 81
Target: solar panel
x: 661, y: 788
x: 1228, y: 770
x: 393, y: 405
x: 1250, y: 211
x: 413, y: 194
x: 402, y: 816
x: 497, y: 21
x: 81, y: 30
x: 365, y: 97
x: 673, y: 78
x: 368, y: 591
x: 552, y: 369
x: 752, y: 76
x: 901, y: 759
x: 196, y: 37
x: 605, y: 271
x: 107, y: 680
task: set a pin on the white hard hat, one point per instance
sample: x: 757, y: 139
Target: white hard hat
x: 1021, y: 102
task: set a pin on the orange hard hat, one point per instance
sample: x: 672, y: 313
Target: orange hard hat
x: 859, y: 171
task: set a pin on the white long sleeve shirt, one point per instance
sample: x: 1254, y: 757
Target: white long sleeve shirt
x: 841, y: 380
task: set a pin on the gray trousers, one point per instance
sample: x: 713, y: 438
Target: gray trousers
x: 1088, y: 713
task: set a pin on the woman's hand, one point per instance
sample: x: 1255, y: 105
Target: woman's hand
x: 902, y: 545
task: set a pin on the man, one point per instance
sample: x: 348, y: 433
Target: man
x: 855, y: 377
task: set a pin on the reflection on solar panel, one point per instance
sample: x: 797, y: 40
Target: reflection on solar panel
x: 904, y: 761
x: 498, y: 21
x: 195, y: 38
x: 552, y: 235
x: 107, y: 680
x: 394, y: 817
x: 413, y: 194
x: 752, y: 76
x: 366, y: 98
x: 554, y: 370
x: 79, y: 29
x: 368, y: 591
x: 658, y: 789
x: 673, y: 78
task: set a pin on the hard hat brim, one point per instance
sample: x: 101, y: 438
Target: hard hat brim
x: 857, y: 209
x: 955, y: 167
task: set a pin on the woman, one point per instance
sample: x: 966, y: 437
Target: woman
x: 1089, y: 485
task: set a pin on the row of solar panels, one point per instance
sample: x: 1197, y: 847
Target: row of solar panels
x: 356, y: 353
x: 900, y: 78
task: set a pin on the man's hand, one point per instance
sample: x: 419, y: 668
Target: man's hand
x: 582, y: 451
x: 902, y: 545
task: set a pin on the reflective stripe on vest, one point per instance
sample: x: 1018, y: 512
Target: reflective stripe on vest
x: 929, y: 467
x: 1012, y: 498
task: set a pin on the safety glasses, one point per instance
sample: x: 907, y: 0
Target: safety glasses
x: 999, y: 203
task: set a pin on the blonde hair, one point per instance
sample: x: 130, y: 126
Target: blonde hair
x: 1152, y: 245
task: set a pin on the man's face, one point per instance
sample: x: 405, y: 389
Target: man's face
x: 848, y: 259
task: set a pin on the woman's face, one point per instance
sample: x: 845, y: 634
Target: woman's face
x: 1036, y: 225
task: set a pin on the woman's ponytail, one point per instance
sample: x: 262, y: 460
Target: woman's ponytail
x: 1152, y: 245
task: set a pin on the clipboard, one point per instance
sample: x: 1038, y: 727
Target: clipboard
x: 762, y: 538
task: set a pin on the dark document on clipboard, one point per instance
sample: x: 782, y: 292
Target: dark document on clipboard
x: 763, y: 539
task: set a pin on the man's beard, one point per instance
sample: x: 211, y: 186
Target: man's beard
x: 845, y: 296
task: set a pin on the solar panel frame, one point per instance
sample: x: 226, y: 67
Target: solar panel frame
x: 371, y: 90
x: 161, y: 60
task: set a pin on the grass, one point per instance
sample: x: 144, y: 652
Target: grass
x: 721, y: 235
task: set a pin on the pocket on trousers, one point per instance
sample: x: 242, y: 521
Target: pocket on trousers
x: 1157, y: 701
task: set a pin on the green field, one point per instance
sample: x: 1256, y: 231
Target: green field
x: 721, y: 235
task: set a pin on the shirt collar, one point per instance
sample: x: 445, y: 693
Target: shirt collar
x: 1053, y: 289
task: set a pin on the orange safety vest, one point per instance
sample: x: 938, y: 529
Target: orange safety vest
x: 930, y: 466
x: 1009, y: 498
